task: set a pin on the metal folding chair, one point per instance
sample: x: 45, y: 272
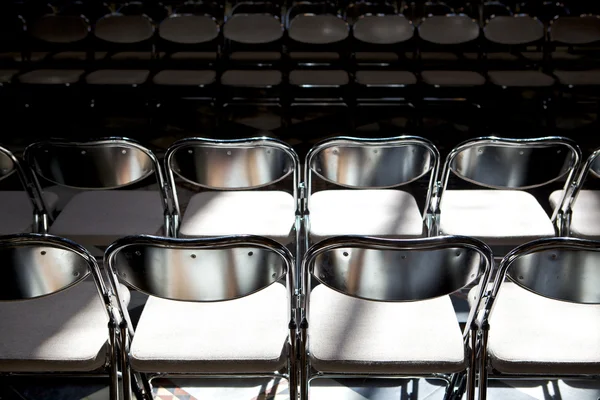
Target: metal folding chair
x: 542, y: 322
x: 240, y: 318
x: 381, y: 309
x: 580, y: 206
x: 27, y: 210
x: 95, y: 166
x: 510, y: 215
x: 55, y: 321
x: 377, y: 167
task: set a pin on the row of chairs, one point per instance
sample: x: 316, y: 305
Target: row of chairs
x: 256, y: 186
x: 367, y: 307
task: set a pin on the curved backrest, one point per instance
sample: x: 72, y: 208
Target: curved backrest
x: 200, y: 270
x: 576, y: 30
x: 101, y: 164
x: 39, y: 265
x: 189, y: 29
x: 513, y: 163
x: 253, y: 28
x: 398, y: 270
x: 449, y: 29
x: 124, y: 29
x: 231, y: 164
x: 318, y: 29
x: 383, y: 29
x: 565, y: 269
x: 8, y: 163
x: 517, y: 30
x: 61, y: 29
x: 365, y: 163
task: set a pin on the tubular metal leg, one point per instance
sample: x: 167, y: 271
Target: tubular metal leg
x: 125, y: 362
x: 114, y: 363
x: 472, y: 366
x: 303, y: 361
x: 483, y: 375
x: 293, y: 366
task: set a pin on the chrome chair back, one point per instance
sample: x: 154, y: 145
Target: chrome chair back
x: 205, y: 270
x: 395, y: 271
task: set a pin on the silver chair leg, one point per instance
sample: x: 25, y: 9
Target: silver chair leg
x: 303, y: 361
x: 114, y: 363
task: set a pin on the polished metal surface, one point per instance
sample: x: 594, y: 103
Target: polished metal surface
x: 561, y: 269
x: 201, y: 270
x: 101, y: 164
x: 372, y: 165
x: 237, y: 166
x: 513, y: 163
x: 398, y: 270
x: 39, y: 265
x: 7, y: 165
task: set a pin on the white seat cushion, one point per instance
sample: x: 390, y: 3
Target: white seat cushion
x: 501, y: 218
x: 532, y: 334
x: 265, y: 213
x: 242, y: 335
x: 585, y: 221
x: 16, y: 211
x: 383, y: 213
x: 67, y: 331
x: 98, y: 218
x: 347, y: 334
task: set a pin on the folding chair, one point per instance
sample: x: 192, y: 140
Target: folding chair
x: 94, y: 167
x: 381, y: 309
x: 510, y: 215
x: 240, y: 318
x: 580, y: 206
x: 376, y: 167
x: 27, y: 210
x: 55, y: 320
x: 542, y: 322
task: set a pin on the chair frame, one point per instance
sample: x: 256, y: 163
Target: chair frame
x: 41, y: 217
x: 482, y: 320
x: 455, y: 382
x: 397, y: 141
x: 105, y: 293
x: 215, y: 243
x: 557, y: 218
x: 576, y: 186
x: 100, y: 143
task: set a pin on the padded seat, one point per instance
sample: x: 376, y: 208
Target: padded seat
x: 578, y: 78
x: 51, y: 76
x: 319, y: 78
x: 16, y: 213
x: 98, y: 218
x: 585, y: 221
x: 453, y: 78
x: 317, y: 29
x: 501, y: 218
x: 118, y: 77
x: 536, y: 335
x: 189, y: 29
x: 245, y: 335
x: 355, y: 335
x: 251, y: 78
x: 385, y: 78
x: 520, y: 79
x: 66, y: 331
x: 383, y: 213
x: 6, y: 75
x: 264, y: 213
x: 184, y: 78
